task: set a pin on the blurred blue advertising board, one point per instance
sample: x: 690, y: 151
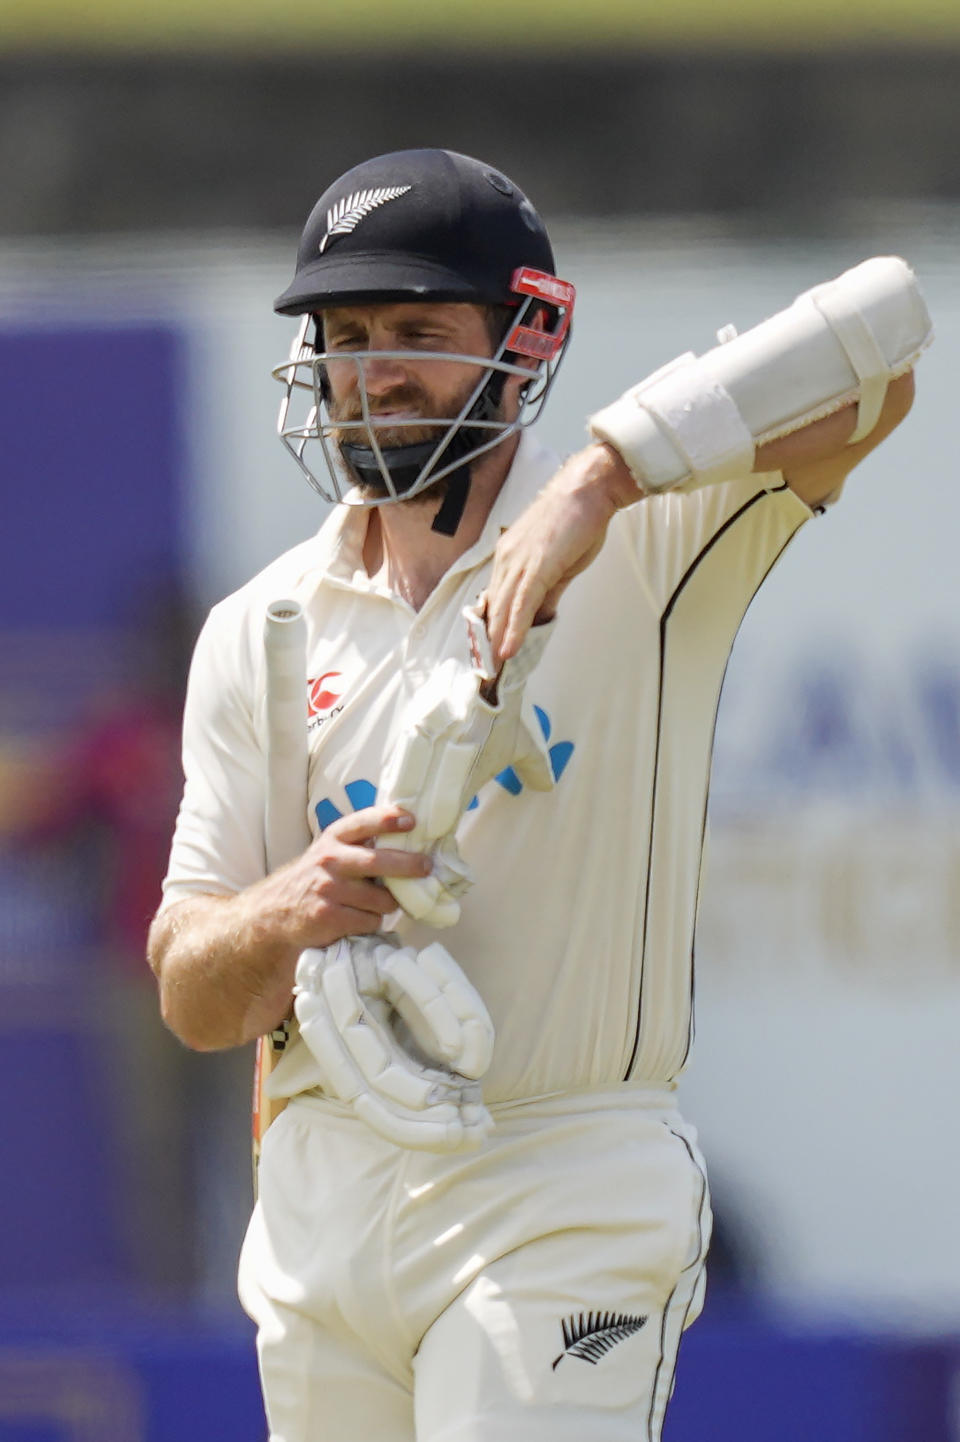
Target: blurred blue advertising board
x: 92, y: 459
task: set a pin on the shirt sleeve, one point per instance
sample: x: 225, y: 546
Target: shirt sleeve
x: 218, y: 842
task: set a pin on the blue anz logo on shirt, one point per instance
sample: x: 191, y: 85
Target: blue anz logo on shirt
x: 363, y: 793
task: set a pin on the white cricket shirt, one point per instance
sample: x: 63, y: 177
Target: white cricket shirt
x: 579, y: 930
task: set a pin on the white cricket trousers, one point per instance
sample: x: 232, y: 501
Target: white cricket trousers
x: 534, y: 1290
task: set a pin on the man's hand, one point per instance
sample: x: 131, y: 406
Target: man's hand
x: 335, y: 888
x: 225, y: 964
x: 555, y: 538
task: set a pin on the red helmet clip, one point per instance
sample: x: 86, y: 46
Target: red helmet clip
x: 541, y: 344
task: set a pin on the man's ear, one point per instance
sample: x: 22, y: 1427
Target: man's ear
x: 538, y: 322
x: 318, y: 346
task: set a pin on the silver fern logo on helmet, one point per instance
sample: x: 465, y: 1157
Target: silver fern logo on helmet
x: 347, y: 214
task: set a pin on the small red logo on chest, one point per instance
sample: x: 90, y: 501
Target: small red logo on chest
x: 319, y: 696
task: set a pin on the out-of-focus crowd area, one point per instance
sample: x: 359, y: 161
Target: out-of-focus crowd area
x: 697, y: 164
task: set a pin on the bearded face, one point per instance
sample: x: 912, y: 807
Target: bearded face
x: 405, y: 402
x: 412, y: 366
x: 410, y: 401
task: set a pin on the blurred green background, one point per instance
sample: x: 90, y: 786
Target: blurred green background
x: 526, y: 25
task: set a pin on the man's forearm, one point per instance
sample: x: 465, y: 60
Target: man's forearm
x: 816, y: 460
x: 222, y: 980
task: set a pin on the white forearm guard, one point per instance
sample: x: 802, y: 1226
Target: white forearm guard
x: 452, y: 741
x: 698, y: 420
x: 399, y: 1036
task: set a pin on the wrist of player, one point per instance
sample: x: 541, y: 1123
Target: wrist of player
x: 586, y: 493
x: 613, y: 480
x: 269, y: 932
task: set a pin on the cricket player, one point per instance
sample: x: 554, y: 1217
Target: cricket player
x: 481, y: 1217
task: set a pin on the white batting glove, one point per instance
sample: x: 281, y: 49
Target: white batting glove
x: 421, y: 1090
x: 453, y: 740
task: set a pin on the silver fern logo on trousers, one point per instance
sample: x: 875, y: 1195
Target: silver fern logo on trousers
x: 347, y: 214
x: 590, y: 1335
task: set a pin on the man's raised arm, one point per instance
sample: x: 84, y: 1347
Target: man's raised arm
x: 809, y: 392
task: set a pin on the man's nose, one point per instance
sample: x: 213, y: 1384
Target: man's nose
x: 382, y: 374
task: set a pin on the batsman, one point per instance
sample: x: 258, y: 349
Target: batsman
x: 440, y: 844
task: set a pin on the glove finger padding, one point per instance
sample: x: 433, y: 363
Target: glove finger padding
x: 446, y: 1015
x: 347, y: 1023
x: 452, y: 741
x: 429, y: 900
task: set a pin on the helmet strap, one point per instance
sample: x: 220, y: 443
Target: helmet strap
x: 450, y: 514
x: 451, y: 510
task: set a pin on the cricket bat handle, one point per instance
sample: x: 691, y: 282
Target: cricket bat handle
x: 286, y: 832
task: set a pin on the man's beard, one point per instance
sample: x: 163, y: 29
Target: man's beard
x: 415, y: 401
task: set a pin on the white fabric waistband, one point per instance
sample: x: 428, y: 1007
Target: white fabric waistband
x: 630, y: 1096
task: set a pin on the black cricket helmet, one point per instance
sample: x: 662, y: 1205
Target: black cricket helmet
x: 420, y: 225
